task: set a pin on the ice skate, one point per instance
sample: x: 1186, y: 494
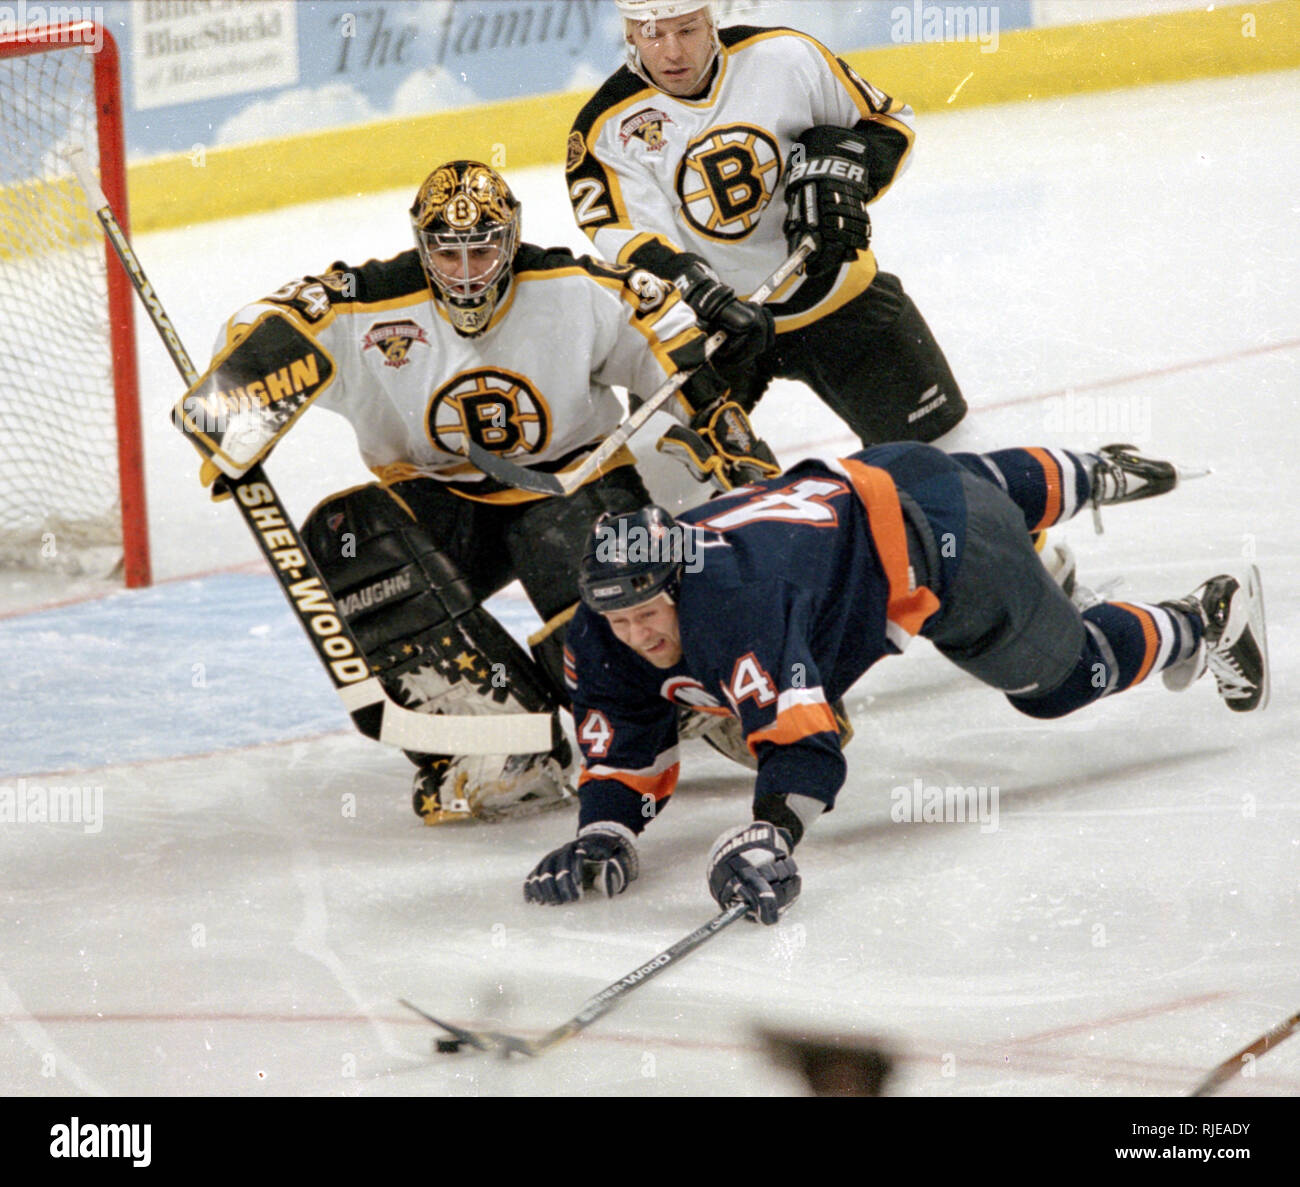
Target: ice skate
x: 1234, y: 646
x: 490, y: 789
x: 1123, y: 475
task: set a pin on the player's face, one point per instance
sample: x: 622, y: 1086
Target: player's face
x: 675, y: 52
x: 466, y: 267
x: 652, y: 630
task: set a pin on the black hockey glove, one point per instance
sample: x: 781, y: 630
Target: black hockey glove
x: 720, y: 447
x: 749, y: 328
x: 826, y: 193
x: 752, y: 863
x: 603, y: 859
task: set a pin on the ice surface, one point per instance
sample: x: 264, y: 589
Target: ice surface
x: 248, y: 894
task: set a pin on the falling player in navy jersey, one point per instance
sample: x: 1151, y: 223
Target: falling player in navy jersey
x: 707, y: 157
x: 769, y: 602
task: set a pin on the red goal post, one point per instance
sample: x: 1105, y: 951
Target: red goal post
x: 71, y: 460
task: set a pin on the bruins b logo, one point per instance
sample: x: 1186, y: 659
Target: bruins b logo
x: 496, y: 409
x: 725, y: 180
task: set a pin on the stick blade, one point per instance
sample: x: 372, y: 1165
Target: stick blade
x: 482, y: 1040
x: 512, y: 475
x: 377, y: 716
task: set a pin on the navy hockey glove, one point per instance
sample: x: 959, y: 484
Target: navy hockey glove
x: 752, y: 863
x: 603, y: 859
x: 826, y: 194
x: 721, y: 447
x: 749, y: 328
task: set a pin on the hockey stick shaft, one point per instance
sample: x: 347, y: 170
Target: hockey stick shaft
x: 373, y: 712
x: 1232, y: 1065
x: 601, y: 1003
x: 565, y: 484
x: 596, y: 1006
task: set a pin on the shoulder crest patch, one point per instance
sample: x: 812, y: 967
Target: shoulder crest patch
x: 647, y: 125
x: 575, y: 152
x: 394, y: 339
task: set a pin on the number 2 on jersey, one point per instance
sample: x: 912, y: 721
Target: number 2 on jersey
x: 584, y: 193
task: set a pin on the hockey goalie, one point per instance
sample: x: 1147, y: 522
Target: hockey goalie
x: 471, y: 335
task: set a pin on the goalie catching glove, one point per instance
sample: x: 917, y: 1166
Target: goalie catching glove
x: 826, y: 194
x: 602, y: 858
x: 721, y: 447
x: 752, y: 864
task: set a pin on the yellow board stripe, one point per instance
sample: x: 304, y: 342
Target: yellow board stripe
x: 521, y: 133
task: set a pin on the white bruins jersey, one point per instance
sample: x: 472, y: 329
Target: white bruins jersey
x: 534, y: 387
x: 650, y: 174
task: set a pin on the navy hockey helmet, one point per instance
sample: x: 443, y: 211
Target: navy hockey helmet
x: 466, y: 224
x: 632, y: 558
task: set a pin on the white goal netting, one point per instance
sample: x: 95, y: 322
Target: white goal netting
x: 59, y: 487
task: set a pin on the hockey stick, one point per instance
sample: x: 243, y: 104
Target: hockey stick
x: 565, y: 484
x: 595, y: 1007
x: 373, y: 712
x: 1232, y: 1065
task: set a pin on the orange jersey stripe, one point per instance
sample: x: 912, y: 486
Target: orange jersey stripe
x: 1052, y: 474
x: 908, y: 607
x: 658, y: 787
x: 793, y: 725
x: 1150, y: 636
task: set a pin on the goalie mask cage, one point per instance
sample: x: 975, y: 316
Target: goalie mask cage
x: 71, y: 463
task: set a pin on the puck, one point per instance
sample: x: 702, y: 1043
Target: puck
x: 447, y: 1046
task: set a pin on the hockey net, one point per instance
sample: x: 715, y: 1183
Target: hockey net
x: 71, y: 471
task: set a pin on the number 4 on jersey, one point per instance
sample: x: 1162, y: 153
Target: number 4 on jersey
x: 806, y: 501
x: 595, y: 734
x: 748, y: 679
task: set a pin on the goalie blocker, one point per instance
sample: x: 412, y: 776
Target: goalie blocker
x: 252, y: 395
x: 435, y: 649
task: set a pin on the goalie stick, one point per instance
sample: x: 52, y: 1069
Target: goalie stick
x: 565, y: 484
x: 595, y: 1007
x: 373, y: 712
x: 1232, y: 1065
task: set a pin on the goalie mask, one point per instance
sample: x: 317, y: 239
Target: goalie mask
x: 633, y: 558
x: 466, y: 224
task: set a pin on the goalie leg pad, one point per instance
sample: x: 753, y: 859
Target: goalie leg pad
x: 415, y: 616
x: 435, y: 649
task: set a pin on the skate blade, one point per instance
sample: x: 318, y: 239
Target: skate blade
x: 1255, y: 593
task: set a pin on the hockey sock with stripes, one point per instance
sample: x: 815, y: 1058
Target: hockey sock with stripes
x: 1048, y: 485
x: 1124, y: 643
